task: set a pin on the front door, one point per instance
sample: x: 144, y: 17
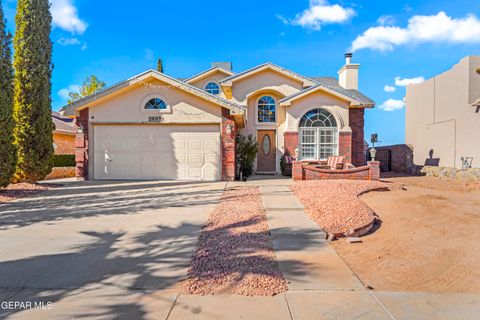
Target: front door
x: 266, y: 151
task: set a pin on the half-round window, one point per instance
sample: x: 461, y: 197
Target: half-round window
x: 155, y: 104
x: 318, y: 135
x: 266, y: 109
x: 212, y: 88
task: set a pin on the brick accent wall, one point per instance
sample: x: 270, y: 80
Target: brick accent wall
x: 81, y: 146
x: 356, y: 120
x: 65, y: 144
x: 291, y: 142
x: 228, y: 149
x: 345, y: 145
x: 397, y: 158
x: 306, y: 171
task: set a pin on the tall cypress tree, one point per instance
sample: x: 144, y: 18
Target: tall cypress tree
x: 7, y: 150
x: 160, y: 65
x: 32, y: 86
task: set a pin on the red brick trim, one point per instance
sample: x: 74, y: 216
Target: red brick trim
x: 345, y: 145
x: 291, y: 143
x: 228, y: 149
x: 356, y: 121
x: 303, y: 170
x: 81, y: 145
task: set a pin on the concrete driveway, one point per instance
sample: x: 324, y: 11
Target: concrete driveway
x: 100, y: 249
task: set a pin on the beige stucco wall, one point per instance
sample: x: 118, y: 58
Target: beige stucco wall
x: 214, y: 77
x: 439, y: 116
x: 266, y: 79
x: 129, y: 106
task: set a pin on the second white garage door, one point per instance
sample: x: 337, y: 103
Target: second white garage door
x: 150, y: 152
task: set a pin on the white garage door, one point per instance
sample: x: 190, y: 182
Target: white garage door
x: 150, y: 152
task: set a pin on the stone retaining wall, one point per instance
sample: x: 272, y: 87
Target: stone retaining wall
x: 452, y: 173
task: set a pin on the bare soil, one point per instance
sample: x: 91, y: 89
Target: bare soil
x: 235, y: 254
x: 18, y: 190
x: 428, y: 240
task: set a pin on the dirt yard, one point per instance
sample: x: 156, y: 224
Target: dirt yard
x: 428, y: 240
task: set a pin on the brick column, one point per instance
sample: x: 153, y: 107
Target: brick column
x: 228, y: 149
x: 374, y: 172
x: 356, y: 121
x: 345, y: 145
x: 291, y: 142
x: 297, y: 170
x: 81, y: 146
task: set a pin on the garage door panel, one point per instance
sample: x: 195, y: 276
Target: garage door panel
x: 157, y: 152
x: 195, y: 160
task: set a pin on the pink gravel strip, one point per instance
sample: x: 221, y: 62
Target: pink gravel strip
x: 18, y: 190
x: 235, y: 254
x: 334, y: 204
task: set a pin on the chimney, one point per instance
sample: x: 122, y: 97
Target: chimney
x: 348, y: 74
x: 223, y: 65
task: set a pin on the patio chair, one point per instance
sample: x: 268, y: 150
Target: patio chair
x: 336, y: 162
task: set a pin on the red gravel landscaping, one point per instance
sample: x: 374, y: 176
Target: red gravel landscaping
x: 18, y: 190
x: 235, y: 254
x: 334, y: 204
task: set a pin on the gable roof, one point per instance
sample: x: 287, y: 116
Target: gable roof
x: 330, y: 84
x: 208, y: 72
x: 268, y: 66
x: 83, y: 103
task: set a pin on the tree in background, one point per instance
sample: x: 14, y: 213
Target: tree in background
x: 32, y: 90
x: 7, y: 149
x: 160, y: 65
x: 91, y: 85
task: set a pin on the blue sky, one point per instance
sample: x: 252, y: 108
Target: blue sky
x: 407, y: 40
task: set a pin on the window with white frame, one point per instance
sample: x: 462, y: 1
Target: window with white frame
x: 318, y: 135
x: 212, y: 88
x: 266, y: 112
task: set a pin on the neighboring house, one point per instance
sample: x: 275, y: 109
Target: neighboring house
x: 153, y: 126
x: 443, y: 116
x: 64, y: 134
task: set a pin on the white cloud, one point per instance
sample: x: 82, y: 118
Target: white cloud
x: 421, y: 29
x: 386, y: 20
x: 406, y: 81
x: 68, y: 41
x: 391, y: 105
x: 319, y: 13
x: 63, y: 93
x: 65, y: 16
x: 388, y: 88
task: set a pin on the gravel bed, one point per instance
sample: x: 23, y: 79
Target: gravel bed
x: 18, y: 190
x: 334, y: 204
x: 234, y: 253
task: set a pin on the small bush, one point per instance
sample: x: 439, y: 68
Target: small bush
x: 63, y: 160
x: 246, y: 151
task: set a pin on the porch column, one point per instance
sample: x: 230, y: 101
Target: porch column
x: 345, y: 144
x: 81, y: 145
x: 290, y: 143
x: 229, y: 130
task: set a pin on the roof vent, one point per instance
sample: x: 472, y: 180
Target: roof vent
x: 223, y: 65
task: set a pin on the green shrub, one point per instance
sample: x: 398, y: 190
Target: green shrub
x: 63, y: 160
x: 283, y: 166
x: 32, y: 89
x: 246, y: 152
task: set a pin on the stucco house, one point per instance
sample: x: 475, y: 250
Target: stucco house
x: 443, y: 116
x: 153, y: 126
